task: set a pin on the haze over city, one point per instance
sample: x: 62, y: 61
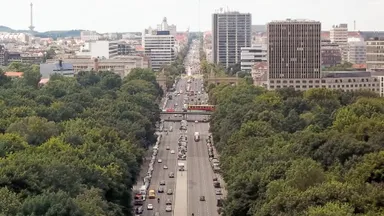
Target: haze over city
x: 134, y: 15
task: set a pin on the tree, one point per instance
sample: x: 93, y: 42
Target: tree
x: 285, y: 152
x: 89, y: 132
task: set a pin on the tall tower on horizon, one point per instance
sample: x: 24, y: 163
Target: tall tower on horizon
x: 31, y: 27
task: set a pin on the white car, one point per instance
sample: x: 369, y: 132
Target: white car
x: 168, y: 208
x: 150, y: 206
x: 172, y: 151
x: 159, y: 161
x: 165, y: 167
x: 196, y: 121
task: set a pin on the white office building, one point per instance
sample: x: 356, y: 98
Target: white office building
x: 89, y: 36
x: 251, y: 55
x: 160, y: 48
x: 357, y: 51
x: 99, y: 49
x: 339, y: 35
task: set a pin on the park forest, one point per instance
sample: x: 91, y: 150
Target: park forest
x: 74, y: 146
x: 292, y: 153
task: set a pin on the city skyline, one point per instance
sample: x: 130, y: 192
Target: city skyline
x: 122, y: 16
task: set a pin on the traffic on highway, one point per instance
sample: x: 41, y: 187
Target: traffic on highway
x: 180, y: 174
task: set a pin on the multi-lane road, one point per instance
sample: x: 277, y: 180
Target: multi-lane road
x: 196, y: 181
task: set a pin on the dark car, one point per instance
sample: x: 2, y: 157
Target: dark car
x: 202, y: 198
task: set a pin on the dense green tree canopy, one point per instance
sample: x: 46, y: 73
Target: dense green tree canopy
x: 286, y: 152
x: 74, y: 146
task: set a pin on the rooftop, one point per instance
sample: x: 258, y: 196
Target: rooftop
x: 13, y: 74
x: 294, y: 21
x: 345, y: 74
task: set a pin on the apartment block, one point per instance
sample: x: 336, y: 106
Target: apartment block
x: 251, y: 55
x: 375, y: 54
x: 294, y: 53
x: 230, y: 31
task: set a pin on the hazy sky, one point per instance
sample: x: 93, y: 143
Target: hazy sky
x: 135, y: 15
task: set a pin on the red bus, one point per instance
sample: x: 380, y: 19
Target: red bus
x: 201, y: 107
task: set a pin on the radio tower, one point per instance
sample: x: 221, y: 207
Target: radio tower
x: 31, y: 27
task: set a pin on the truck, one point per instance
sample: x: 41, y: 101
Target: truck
x: 196, y: 137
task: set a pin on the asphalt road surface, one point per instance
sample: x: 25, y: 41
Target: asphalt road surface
x: 196, y: 180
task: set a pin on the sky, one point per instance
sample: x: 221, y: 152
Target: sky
x: 136, y: 15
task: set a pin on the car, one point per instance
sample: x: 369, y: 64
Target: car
x: 168, y: 208
x: 196, y: 121
x: 202, y: 198
x: 159, y: 161
x: 168, y: 202
x: 175, y: 115
x: 167, y: 147
x: 150, y: 206
x: 139, y: 210
x: 162, y: 182
x: 165, y: 167
x: 171, y: 175
x: 218, y: 192
x: 172, y: 151
x: 165, y: 130
x: 169, y: 192
x: 160, y: 190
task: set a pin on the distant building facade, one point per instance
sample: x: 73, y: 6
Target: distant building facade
x: 3, y: 56
x: 121, y: 65
x: 356, y: 51
x: 375, y: 54
x: 330, y: 54
x: 230, y: 31
x: 251, y: 55
x: 49, y: 69
x: 99, y: 49
x: 89, y: 36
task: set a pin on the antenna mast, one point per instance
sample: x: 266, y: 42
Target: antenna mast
x: 31, y: 27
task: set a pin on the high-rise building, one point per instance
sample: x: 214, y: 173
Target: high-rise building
x: 230, y: 31
x: 294, y: 53
x: 339, y: 35
x: 160, y: 48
